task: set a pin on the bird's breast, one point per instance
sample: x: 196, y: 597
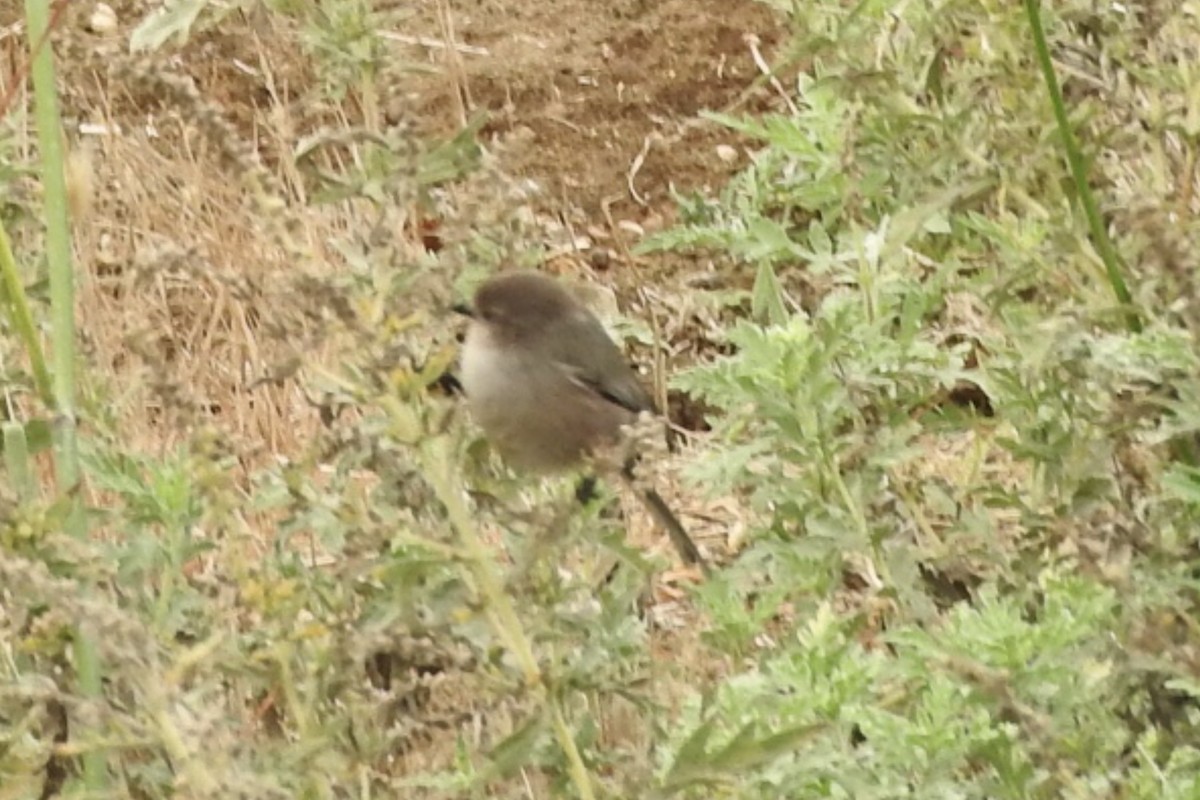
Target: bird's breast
x: 530, y: 408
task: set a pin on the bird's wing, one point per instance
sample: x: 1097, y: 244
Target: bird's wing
x: 626, y: 392
x: 604, y: 371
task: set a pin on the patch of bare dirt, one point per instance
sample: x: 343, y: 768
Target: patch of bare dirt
x: 602, y: 98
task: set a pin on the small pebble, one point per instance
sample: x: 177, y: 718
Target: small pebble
x: 103, y: 19
x: 600, y: 258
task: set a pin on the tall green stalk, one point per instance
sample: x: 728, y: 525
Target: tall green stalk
x: 1104, y: 246
x: 62, y: 310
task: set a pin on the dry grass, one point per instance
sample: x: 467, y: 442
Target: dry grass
x: 190, y: 270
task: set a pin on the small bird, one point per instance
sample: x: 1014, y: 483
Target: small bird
x: 548, y: 386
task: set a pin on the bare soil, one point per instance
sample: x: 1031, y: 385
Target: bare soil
x: 588, y: 87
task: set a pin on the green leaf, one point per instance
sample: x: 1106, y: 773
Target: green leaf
x: 174, y: 20
x: 1183, y: 483
x: 517, y: 749
x: 744, y: 752
x: 767, y: 300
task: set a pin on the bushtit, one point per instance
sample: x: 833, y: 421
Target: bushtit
x: 548, y: 386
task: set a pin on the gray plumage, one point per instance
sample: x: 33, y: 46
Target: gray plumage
x: 547, y: 384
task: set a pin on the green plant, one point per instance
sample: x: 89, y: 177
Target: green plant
x: 940, y: 423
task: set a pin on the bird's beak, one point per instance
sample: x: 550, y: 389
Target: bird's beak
x: 464, y: 309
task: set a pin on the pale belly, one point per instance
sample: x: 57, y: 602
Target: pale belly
x: 531, y: 412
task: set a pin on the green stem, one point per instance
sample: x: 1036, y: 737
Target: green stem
x: 13, y: 290
x: 500, y: 611
x: 62, y: 309
x: 1108, y: 254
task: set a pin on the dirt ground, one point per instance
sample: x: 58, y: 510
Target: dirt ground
x: 603, y: 98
